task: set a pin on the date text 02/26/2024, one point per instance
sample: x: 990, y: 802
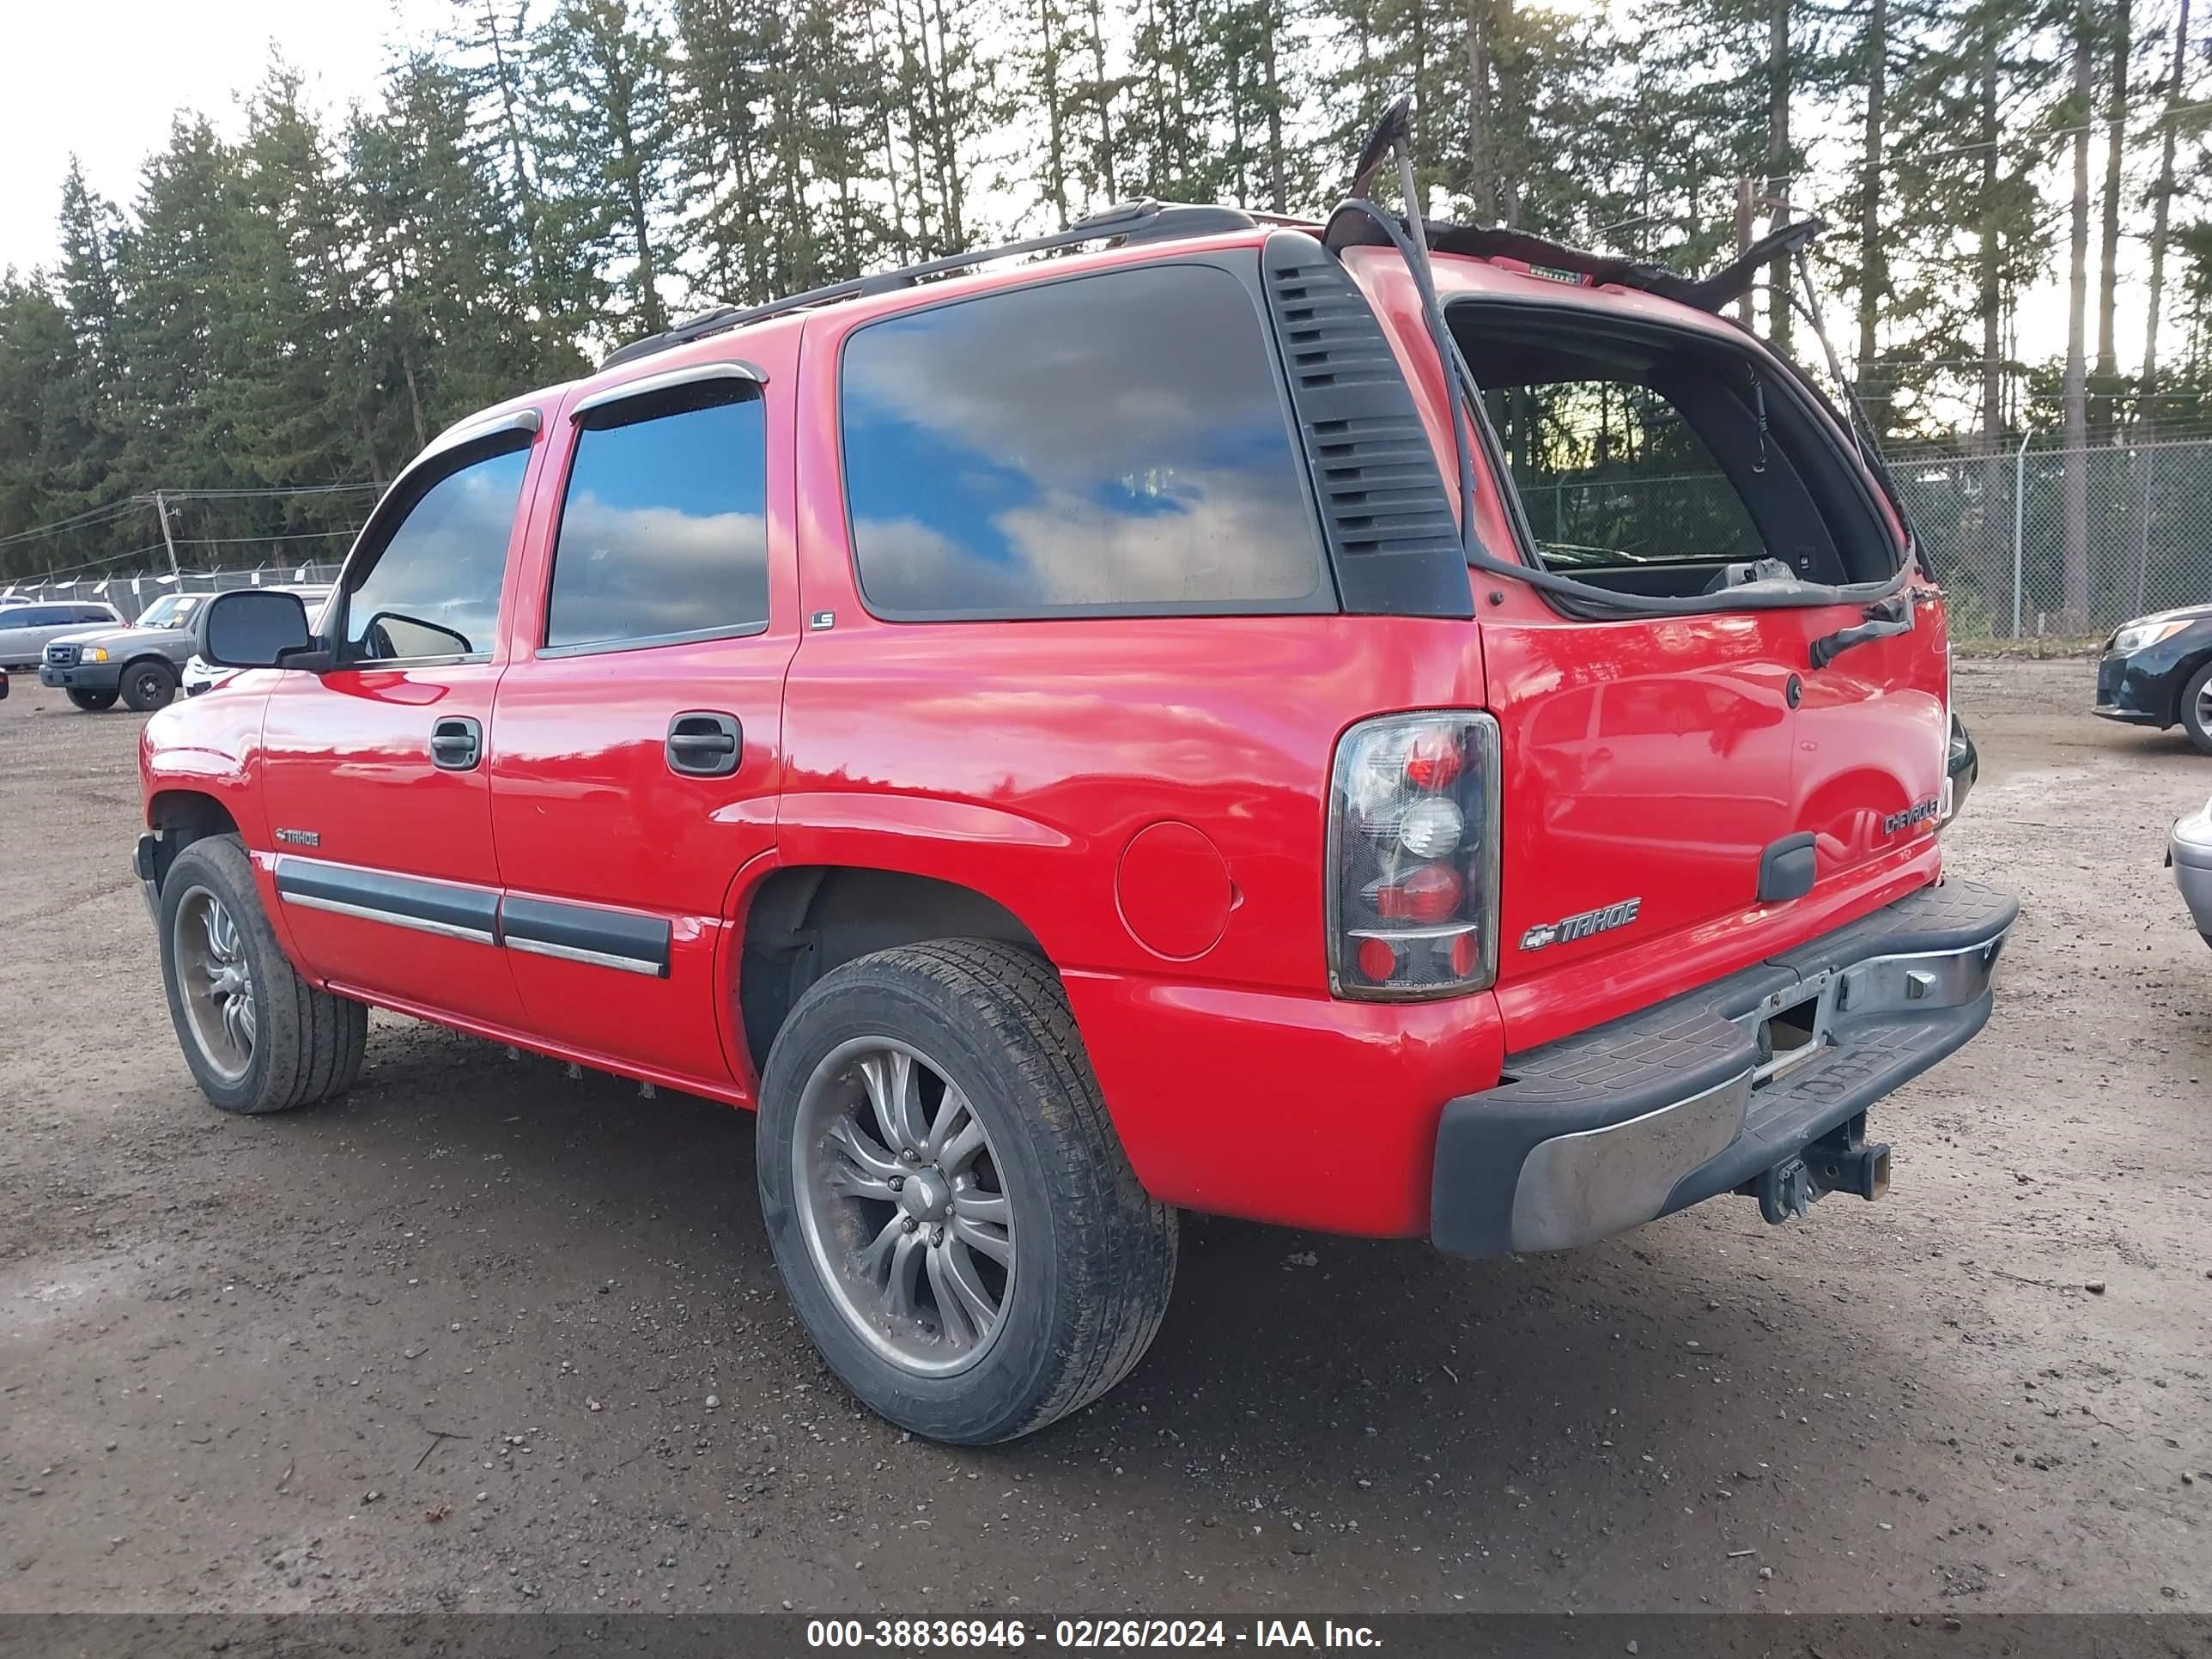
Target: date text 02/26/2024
x: 1085, y: 1635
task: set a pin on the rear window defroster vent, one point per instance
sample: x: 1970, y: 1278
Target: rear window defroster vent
x: 1387, y: 522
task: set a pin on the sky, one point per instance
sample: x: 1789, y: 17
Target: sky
x: 112, y: 107
x: 102, y: 79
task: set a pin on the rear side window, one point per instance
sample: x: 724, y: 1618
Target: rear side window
x: 1110, y: 444
x: 664, y: 529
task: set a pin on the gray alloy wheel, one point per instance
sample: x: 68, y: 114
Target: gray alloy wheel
x: 214, y: 979
x: 257, y: 1036
x: 956, y: 1222
x: 902, y: 1206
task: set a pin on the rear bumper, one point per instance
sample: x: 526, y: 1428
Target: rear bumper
x: 1636, y: 1119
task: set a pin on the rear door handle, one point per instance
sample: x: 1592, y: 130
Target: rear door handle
x: 456, y: 743
x: 703, y: 742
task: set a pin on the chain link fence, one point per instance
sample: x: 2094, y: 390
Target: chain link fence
x: 132, y: 594
x: 1996, y: 527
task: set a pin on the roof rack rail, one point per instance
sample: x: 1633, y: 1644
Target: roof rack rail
x: 1146, y: 220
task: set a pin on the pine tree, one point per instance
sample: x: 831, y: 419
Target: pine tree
x: 1047, y: 44
x: 452, y: 322
x: 2074, y: 498
x: 599, y: 97
x: 83, y: 396
x: 40, y: 479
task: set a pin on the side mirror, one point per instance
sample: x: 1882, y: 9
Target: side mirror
x: 253, y: 628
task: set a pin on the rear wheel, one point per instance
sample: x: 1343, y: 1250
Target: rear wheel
x: 149, y: 686
x: 258, y: 1037
x: 2196, y: 708
x: 92, y: 701
x: 954, y: 1219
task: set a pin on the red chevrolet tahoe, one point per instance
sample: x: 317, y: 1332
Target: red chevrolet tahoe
x: 1268, y: 718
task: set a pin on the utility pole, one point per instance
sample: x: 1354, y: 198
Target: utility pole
x: 161, y: 512
x: 1750, y: 201
x: 1745, y: 193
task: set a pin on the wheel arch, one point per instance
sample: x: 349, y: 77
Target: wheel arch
x: 802, y: 921
x: 182, y: 817
x: 2191, y: 665
x: 193, y: 812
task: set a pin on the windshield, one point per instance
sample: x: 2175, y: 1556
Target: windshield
x: 173, y: 610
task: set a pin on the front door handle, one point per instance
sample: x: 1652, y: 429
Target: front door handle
x: 456, y: 743
x: 705, y: 743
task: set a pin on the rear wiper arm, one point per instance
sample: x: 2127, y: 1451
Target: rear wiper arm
x: 1885, y: 619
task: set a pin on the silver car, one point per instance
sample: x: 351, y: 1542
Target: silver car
x: 2191, y: 855
x: 26, y: 625
x: 199, y: 677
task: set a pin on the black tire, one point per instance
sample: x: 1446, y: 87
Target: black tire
x: 148, y: 683
x: 307, y: 1045
x: 2196, y: 706
x: 92, y: 701
x: 1096, y: 1255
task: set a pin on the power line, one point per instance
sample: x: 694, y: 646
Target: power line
x: 285, y: 489
x: 94, y: 517
x: 91, y: 564
x: 87, y: 519
x: 239, y: 541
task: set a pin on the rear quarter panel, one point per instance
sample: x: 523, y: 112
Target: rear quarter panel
x: 1022, y: 760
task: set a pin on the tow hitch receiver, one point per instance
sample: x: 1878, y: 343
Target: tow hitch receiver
x: 1840, y: 1161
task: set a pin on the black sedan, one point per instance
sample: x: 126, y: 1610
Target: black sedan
x: 2157, y: 671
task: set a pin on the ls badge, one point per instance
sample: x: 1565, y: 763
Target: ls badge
x: 1570, y: 928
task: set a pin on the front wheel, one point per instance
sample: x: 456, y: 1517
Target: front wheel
x: 92, y: 701
x: 2196, y: 708
x: 149, y: 686
x: 953, y: 1215
x: 258, y: 1037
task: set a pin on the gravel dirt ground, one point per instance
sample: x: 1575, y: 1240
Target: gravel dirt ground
x: 480, y: 1336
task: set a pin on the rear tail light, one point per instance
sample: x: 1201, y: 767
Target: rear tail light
x: 1946, y: 789
x: 1413, y: 857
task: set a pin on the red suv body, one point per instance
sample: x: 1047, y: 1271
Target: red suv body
x: 1108, y: 613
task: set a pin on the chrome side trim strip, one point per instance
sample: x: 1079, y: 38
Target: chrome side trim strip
x: 419, y: 924
x: 536, y: 947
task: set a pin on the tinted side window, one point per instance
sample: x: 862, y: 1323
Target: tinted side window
x: 39, y: 615
x: 663, y: 528
x: 433, y: 590
x: 1115, y: 442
